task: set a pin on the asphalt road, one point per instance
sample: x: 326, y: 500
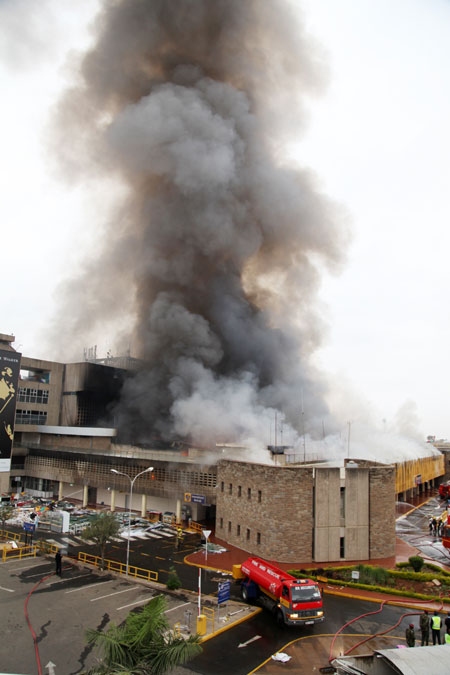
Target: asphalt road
x: 262, y: 638
x: 60, y: 609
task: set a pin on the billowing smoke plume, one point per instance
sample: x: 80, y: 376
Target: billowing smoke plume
x: 218, y: 245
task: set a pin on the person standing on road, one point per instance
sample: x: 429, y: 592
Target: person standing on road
x: 425, y: 628
x: 410, y: 635
x: 58, y: 559
x: 435, y: 624
x: 447, y: 622
x: 447, y: 637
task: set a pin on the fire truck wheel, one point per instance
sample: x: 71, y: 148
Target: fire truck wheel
x: 244, y: 593
x: 279, y: 618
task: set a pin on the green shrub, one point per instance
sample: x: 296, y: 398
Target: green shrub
x: 173, y: 580
x: 416, y: 562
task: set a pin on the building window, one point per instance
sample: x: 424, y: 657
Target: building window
x: 248, y: 534
x: 342, y: 547
x: 31, y: 417
x: 239, y: 490
x: 249, y: 493
x: 259, y: 496
x: 238, y: 530
x: 229, y: 526
x: 27, y: 395
x: 221, y: 523
x: 221, y: 486
x: 258, y: 537
x: 342, y: 502
x: 230, y: 489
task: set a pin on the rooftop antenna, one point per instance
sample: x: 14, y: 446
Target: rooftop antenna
x: 276, y: 439
x: 348, y: 438
x: 303, y: 430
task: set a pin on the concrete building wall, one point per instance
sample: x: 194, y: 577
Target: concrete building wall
x: 327, y: 520
x: 356, y: 516
x: 266, y: 510
x: 52, y: 373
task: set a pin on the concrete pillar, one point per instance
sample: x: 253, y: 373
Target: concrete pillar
x: 60, y: 490
x: 144, y: 506
x: 113, y: 500
x: 85, y: 495
x: 178, y: 511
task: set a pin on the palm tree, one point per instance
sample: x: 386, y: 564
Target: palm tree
x: 143, y: 644
x: 102, y: 528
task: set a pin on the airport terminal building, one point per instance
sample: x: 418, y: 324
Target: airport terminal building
x: 65, y: 446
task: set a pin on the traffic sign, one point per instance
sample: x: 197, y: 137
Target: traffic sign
x: 223, y: 594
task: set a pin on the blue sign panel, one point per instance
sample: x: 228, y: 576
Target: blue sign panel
x: 223, y: 594
x: 29, y: 527
x: 198, y: 499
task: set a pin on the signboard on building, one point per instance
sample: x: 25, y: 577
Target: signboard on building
x: 194, y: 499
x: 9, y: 386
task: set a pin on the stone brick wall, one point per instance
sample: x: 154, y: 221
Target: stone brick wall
x: 266, y: 510
x: 381, y: 512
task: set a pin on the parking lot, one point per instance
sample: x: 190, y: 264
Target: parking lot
x: 60, y: 609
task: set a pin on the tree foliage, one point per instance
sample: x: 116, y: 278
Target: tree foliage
x: 102, y: 528
x: 6, y: 511
x: 142, y: 644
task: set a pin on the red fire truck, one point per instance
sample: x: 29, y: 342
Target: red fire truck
x: 293, y: 601
x: 444, y: 489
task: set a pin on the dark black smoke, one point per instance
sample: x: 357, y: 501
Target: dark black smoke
x: 218, y: 245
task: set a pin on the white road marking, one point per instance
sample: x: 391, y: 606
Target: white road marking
x: 10, y: 590
x: 116, y: 593
x: 177, y: 607
x: 41, y: 574
x: 152, y: 535
x: 60, y: 581
x: 138, y: 602
x: 82, y: 588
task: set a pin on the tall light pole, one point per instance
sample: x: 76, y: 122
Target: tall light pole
x: 120, y: 473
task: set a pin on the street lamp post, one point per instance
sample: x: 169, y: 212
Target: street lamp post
x: 206, y: 534
x: 120, y: 473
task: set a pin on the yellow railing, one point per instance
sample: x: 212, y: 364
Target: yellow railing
x: 195, y: 526
x: 46, y: 547
x: 13, y: 536
x: 20, y: 552
x: 209, y: 613
x: 120, y: 568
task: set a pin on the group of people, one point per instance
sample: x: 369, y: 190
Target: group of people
x: 427, y: 623
x: 436, y: 525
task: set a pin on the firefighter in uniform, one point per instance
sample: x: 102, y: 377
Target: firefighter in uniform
x: 447, y: 637
x: 435, y: 624
x: 410, y: 636
x: 179, y: 537
x: 425, y: 627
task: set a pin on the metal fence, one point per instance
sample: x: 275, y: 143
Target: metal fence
x: 120, y: 568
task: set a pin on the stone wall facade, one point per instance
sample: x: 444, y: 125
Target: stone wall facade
x: 303, y: 514
x: 266, y: 510
x: 381, y: 512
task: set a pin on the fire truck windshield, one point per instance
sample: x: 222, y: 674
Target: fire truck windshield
x: 305, y: 593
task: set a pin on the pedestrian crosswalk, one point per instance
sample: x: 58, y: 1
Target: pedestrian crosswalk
x: 74, y: 540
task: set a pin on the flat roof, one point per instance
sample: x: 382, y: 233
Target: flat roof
x: 77, y: 431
